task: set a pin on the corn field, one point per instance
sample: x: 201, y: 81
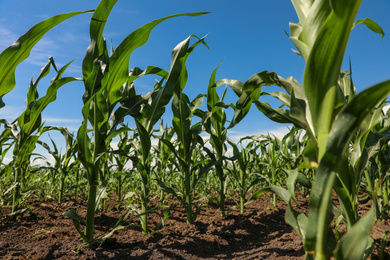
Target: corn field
x: 336, y: 154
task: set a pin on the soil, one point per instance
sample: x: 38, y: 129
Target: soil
x: 260, y: 233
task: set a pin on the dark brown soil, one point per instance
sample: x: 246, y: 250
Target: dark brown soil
x: 259, y: 233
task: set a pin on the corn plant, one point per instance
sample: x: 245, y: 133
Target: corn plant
x: 107, y: 84
x: 292, y: 146
x: 63, y: 162
x: 215, y: 127
x: 190, y: 162
x: 271, y: 157
x: 243, y: 171
x: 151, y: 113
x: 333, y: 133
x: 10, y: 58
x: 331, y: 119
x: 6, y: 186
x: 28, y: 127
x: 163, y: 156
x: 374, y: 165
x: 121, y: 159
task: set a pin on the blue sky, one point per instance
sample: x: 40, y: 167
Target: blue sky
x: 249, y: 35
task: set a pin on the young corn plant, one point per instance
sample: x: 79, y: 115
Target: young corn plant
x: 163, y: 155
x: 271, y: 158
x: 320, y: 107
x: 152, y: 111
x: 243, y: 170
x: 10, y: 58
x: 215, y: 127
x: 107, y: 84
x: 63, y: 162
x: 28, y: 127
x: 121, y: 159
x: 189, y: 160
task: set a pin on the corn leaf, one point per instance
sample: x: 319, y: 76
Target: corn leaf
x: 298, y: 221
x: 372, y: 25
x: 119, y: 60
x: 281, y: 192
x: 161, y: 96
x: 354, y: 244
x: 324, y: 63
x: 11, y: 57
x: 30, y: 123
x: 345, y: 126
x: 96, y: 48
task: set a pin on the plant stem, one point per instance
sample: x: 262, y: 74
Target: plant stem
x: 187, y: 183
x: 222, y: 197
x: 242, y: 191
x: 90, y: 221
x: 119, y: 190
x: 93, y: 182
x: 77, y: 183
x: 144, y: 205
x: 16, y: 194
x: 62, y: 184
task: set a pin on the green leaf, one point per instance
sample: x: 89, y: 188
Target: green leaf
x: 182, y: 122
x: 312, y: 14
x: 323, y: 66
x: 372, y: 25
x: 161, y: 96
x: 283, y: 193
x: 72, y: 214
x: 279, y: 115
x: 345, y: 126
x: 145, y: 141
x: 11, y: 57
x: 34, y: 113
x: 119, y: 61
x: 97, y: 43
x: 85, y: 153
x: 212, y: 96
x: 294, y: 177
x: 298, y: 221
x: 161, y: 224
x: 353, y: 245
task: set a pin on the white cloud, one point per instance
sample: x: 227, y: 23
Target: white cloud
x: 50, y: 161
x: 72, y: 125
x: 279, y: 132
x: 62, y: 120
x: 10, y: 113
x: 385, y: 109
x: 41, y: 52
x: 7, y: 37
x: 7, y: 160
x: 114, y: 145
